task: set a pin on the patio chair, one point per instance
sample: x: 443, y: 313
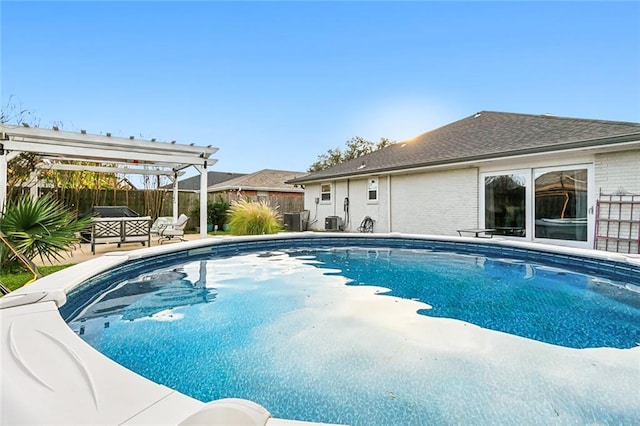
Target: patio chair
x: 160, y: 223
x: 173, y: 230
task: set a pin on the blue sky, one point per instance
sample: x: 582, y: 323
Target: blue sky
x: 275, y: 84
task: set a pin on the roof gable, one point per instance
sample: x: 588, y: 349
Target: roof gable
x: 483, y: 135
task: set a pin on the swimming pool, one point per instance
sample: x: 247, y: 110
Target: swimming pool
x: 376, y: 331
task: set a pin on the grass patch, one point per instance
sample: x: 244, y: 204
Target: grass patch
x: 15, y: 280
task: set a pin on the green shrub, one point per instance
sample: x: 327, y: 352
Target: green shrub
x: 218, y: 212
x: 247, y: 218
x: 40, y: 227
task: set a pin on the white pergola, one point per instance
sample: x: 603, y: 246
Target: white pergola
x: 126, y: 156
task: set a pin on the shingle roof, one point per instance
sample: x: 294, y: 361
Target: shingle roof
x: 263, y: 180
x: 484, y: 135
x: 213, y: 178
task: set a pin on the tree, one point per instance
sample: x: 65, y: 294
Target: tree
x: 13, y: 112
x: 355, y: 147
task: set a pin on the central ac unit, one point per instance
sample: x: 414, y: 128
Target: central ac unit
x: 293, y: 222
x: 332, y: 223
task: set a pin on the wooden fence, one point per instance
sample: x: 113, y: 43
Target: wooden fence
x: 157, y: 203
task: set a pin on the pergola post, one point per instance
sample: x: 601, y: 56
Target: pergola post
x: 3, y: 178
x: 203, y: 199
x: 33, y: 183
x: 175, y: 196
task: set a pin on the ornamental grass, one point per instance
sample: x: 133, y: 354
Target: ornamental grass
x: 253, y: 218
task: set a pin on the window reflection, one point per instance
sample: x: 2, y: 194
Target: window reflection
x: 505, y: 205
x: 561, y: 205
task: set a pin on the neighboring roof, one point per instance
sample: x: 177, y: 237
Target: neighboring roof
x: 482, y: 136
x: 264, y: 180
x: 213, y: 178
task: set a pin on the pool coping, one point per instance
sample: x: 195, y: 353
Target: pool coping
x: 47, y: 366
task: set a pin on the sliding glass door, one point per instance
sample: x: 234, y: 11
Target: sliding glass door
x: 541, y: 204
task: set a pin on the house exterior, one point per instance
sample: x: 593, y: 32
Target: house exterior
x: 192, y: 184
x: 261, y: 184
x: 527, y: 177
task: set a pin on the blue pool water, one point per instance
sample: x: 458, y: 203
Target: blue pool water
x: 379, y: 336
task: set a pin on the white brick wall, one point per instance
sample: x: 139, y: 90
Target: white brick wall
x: 430, y: 203
x: 360, y: 206
x: 618, y: 171
x: 435, y: 203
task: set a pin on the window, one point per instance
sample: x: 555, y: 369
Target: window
x: 372, y: 189
x: 325, y: 192
x: 505, y: 204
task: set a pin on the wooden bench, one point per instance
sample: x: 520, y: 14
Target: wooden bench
x: 487, y: 232
x: 120, y: 230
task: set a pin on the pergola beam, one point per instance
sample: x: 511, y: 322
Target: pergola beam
x: 103, y: 169
x: 121, y: 155
x: 63, y: 138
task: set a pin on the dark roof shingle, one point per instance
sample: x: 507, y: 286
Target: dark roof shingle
x: 483, y: 135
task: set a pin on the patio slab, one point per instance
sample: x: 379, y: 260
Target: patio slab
x: 82, y: 252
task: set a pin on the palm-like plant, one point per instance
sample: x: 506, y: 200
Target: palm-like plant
x: 40, y: 227
x: 247, y: 218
